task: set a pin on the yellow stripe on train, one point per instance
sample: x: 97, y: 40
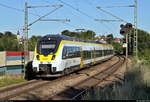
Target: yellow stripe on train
x: 49, y: 57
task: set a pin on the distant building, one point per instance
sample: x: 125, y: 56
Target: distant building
x: 117, y: 40
x: 19, y: 38
x: 122, y: 40
x: 103, y: 40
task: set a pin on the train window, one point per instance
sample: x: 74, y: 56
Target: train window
x: 98, y: 53
x: 70, y: 52
x: 104, y: 52
x: 107, y: 52
x: 84, y: 55
x: 88, y: 54
x: 64, y: 53
x: 46, y: 46
x: 77, y: 52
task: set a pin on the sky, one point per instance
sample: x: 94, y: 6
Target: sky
x: 82, y: 15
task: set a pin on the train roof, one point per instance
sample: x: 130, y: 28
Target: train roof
x: 64, y: 37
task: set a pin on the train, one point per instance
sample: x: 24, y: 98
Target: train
x: 57, y: 55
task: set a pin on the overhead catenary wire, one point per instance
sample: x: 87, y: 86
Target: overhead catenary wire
x: 21, y: 10
x: 16, y: 9
x: 73, y: 14
x: 81, y: 12
x: 111, y: 14
x: 45, y: 15
x: 78, y: 10
x: 106, y: 26
x: 117, y: 6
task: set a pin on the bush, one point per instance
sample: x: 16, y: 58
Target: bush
x: 136, y: 86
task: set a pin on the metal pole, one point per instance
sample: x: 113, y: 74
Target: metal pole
x: 44, y: 16
x: 5, y: 64
x: 25, y: 35
x: 136, y: 30
x: 135, y: 50
x: 92, y: 36
x: 129, y: 36
x: 126, y: 50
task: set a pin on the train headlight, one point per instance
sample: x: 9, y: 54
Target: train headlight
x: 38, y: 57
x: 53, y: 57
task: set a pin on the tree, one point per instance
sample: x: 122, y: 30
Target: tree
x: 143, y: 42
x: 87, y: 35
x: 9, y: 42
x: 1, y: 34
x: 65, y: 32
x: 117, y: 47
x: 91, y: 35
x: 33, y: 42
x: 110, y: 38
x: 8, y: 33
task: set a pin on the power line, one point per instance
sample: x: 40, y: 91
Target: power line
x: 21, y: 10
x: 78, y: 10
x: 16, y: 9
x: 108, y: 28
x: 73, y: 14
x: 118, y: 6
x: 111, y: 14
x: 81, y: 12
x: 45, y: 15
x: 3, y: 5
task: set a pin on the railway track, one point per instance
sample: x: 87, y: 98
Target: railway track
x: 7, y: 93
x: 75, y: 92
x: 11, y: 92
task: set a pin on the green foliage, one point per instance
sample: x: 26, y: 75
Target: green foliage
x: 143, y: 43
x: 87, y: 35
x: 136, y: 86
x: 32, y: 42
x: 66, y: 32
x: 110, y: 38
x: 10, y: 80
x: 117, y: 47
x: 9, y: 42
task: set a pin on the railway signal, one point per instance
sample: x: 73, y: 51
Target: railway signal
x: 128, y: 25
x: 125, y: 31
x: 125, y: 28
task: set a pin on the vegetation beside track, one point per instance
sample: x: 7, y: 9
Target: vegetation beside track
x: 136, y: 85
x: 10, y: 80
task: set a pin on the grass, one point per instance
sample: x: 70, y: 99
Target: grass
x: 10, y: 80
x: 136, y: 86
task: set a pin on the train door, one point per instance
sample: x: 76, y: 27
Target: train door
x: 91, y: 56
x: 94, y: 55
x: 103, y: 52
x: 81, y: 54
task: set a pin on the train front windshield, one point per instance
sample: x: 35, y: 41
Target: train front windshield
x: 46, y: 47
